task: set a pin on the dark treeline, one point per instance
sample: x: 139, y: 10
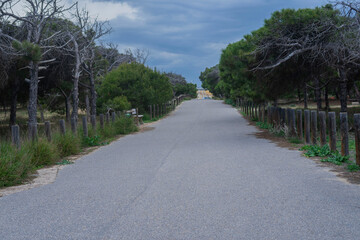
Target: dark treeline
x: 297, y: 54
x: 51, y: 59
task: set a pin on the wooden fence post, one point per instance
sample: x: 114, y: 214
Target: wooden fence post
x: 107, y: 118
x: 357, y: 137
x: 48, y: 130
x: 62, y: 127
x: 307, y: 126
x: 101, y: 116
x: 313, y: 127
x: 15, y: 135
x: 154, y: 110
x: 322, y: 120
x: 32, y: 128
x: 292, y: 122
x: 158, y: 111
x: 344, y: 131
x: 269, y: 115
x: 85, y: 127
x: 282, y: 116
x: 299, y: 124
x: 332, y: 131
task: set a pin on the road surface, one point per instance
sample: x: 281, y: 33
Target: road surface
x: 200, y: 174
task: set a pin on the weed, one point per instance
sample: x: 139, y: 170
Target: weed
x: 353, y: 168
x: 336, y: 159
x: 64, y: 162
x: 316, y: 151
x: 264, y: 125
x: 295, y: 140
x: 92, y: 141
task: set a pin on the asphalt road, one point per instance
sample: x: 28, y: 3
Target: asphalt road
x: 200, y: 174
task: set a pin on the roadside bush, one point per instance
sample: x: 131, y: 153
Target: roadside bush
x: 336, y: 158
x: 42, y: 152
x: 125, y: 125
x: 67, y: 144
x: 15, y: 165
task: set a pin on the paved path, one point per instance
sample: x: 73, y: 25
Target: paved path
x: 200, y: 174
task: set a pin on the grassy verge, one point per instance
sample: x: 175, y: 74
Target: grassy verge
x: 17, y: 164
x: 313, y: 150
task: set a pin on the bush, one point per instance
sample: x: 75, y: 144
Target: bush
x: 92, y: 141
x: 42, y: 152
x: 336, y: 159
x: 15, y: 165
x: 264, y: 125
x: 67, y: 144
x: 125, y: 125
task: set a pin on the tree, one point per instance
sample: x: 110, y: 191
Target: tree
x: 37, y: 43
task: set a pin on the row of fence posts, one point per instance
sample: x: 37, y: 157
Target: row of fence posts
x: 157, y: 110
x: 305, y: 126
x: 33, y: 131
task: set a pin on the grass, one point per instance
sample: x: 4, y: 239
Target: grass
x: 17, y: 164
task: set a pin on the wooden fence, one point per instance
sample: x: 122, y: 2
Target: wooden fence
x: 307, y: 125
x: 155, y: 112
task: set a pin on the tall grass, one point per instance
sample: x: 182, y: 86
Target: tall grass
x: 15, y: 165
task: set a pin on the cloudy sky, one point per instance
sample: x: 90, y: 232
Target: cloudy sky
x: 185, y: 36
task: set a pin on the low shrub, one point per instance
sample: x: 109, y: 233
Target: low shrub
x: 353, y: 168
x: 125, y: 125
x: 263, y: 125
x: 15, y: 165
x: 92, y: 141
x: 67, y: 144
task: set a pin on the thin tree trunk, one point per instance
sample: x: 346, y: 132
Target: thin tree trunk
x: 357, y: 93
x: 299, y: 95
x: 318, y: 93
x: 87, y: 103
x: 75, y: 93
x: 92, y: 94
x: 305, y: 97
x: 67, y: 108
x: 343, y: 91
x: 327, y: 103
x: 33, y: 93
x: 13, y: 105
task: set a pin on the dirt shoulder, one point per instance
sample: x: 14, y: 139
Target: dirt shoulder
x: 340, y: 171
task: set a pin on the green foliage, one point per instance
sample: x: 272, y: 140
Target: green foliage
x: 32, y: 52
x: 295, y: 140
x: 353, y: 168
x: 15, y: 165
x: 125, y: 125
x: 316, y: 151
x: 92, y: 141
x: 141, y: 86
x: 42, y: 152
x: 230, y: 102
x: 67, y: 144
x: 210, y: 79
x: 336, y: 159
x: 187, y: 89
x: 119, y: 103
x: 64, y: 162
x: 264, y: 125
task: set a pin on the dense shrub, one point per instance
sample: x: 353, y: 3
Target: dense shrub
x: 42, y: 152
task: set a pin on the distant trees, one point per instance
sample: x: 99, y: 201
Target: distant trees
x: 296, y: 53
x: 133, y: 84
x: 181, y: 86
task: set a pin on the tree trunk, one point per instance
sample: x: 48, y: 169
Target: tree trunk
x: 318, y: 93
x: 75, y: 93
x: 343, y: 91
x: 299, y: 95
x: 305, y: 97
x: 33, y: 93
x: 92, y: 94
x: 14, y: 95
x: 327, y: 98
x: 357, y: 93
x: 67, y: 108
x: 87, y: 103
